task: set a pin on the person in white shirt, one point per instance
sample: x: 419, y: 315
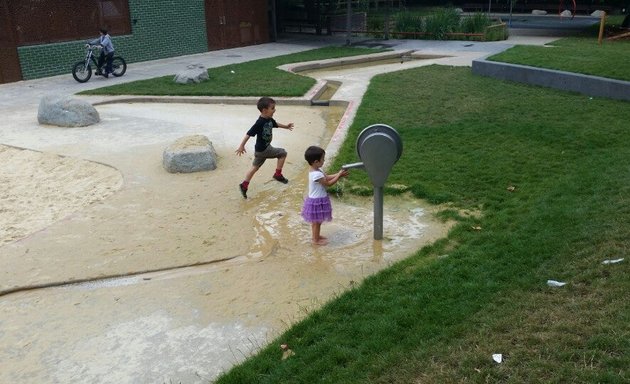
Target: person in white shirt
x: 317, y: 207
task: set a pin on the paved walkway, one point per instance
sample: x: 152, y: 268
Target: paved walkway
x: 24, y: 94
x: 162, y: 327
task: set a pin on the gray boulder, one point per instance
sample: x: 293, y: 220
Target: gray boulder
x: 194, y: 73
x: 190, y: 154
x: 65, y: 111
x: 538, y: 12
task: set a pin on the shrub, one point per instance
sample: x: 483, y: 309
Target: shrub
x: 476, y: 23
x: 408, y: 22
x: 375, y: 25
x: 441, y: 22
x: 496, y: 32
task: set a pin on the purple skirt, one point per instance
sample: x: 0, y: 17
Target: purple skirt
x: 317, y: 210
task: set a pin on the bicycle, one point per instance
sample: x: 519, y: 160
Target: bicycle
x: 82, y: 70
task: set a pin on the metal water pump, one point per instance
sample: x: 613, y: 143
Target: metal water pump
x: 379, y: 147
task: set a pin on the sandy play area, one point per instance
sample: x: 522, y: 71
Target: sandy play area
x: 38, y: 188
x: 176, y: 276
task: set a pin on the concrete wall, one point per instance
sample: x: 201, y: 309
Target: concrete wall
x: 160, y: 28
x: 565, y: 81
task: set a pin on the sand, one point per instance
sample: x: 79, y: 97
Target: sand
x: 37, y: 189
x: 114, y: 270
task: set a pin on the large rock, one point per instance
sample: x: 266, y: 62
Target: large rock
x: 65, y: 111
x: 194, y: 73
x: 538, y: 12
x: 598, y: 13
x: 190, y: 154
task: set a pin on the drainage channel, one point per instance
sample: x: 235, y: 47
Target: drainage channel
x: 325, y: 93
x: 389, y: 62
x: 125, y: 279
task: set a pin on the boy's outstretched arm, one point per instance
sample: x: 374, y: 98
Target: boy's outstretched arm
x: 286, y: 126
x: 241, y: 148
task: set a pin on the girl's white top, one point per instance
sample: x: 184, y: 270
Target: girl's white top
x: 316, y: 189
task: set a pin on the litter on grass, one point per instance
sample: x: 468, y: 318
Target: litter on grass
x: 497, y: 357
x: 286, y: 351
x: 553, y: 283
x: 612, y: 261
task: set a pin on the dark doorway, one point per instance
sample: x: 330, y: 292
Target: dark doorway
x: 9, y: 59
x: 236, y: 23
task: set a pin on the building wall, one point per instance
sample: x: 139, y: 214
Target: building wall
x: 160, y: 29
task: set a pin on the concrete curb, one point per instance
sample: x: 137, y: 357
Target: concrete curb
x: 565, y: 81
x: 195, y: 100
x: 319, y: 64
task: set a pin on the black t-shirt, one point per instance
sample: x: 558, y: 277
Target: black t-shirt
x: 262, y: 130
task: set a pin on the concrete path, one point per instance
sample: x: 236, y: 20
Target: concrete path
x: 195, y: 315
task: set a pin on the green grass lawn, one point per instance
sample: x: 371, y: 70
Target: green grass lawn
x: 438, y: 316
x: 252, y: 78
x: 575, y: 54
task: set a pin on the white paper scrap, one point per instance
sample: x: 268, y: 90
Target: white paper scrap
x: 612, y: 261
x: 553, y: 283
x: 497, y: 357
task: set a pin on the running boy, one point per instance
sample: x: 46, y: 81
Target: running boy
x: 263, y: 149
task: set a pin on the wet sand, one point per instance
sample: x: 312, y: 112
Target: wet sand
x: 255, y: 272
x: 172, y: 270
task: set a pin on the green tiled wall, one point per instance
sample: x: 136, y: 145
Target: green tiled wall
x: 160, y: 29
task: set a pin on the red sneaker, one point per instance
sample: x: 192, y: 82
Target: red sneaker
x: 281, y: 179
x: 243, y: 190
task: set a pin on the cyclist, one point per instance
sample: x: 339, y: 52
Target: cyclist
x: 107, y: 52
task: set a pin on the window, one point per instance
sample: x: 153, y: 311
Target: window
x: 49, y: 21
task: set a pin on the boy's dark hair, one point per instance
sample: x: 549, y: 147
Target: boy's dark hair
x: 313, y: 153
x: 265, y: 102
x: 103, y: 31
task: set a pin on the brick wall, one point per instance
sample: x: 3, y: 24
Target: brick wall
x: 160, y: 29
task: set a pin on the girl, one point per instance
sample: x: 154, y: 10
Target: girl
x: 317, y: 207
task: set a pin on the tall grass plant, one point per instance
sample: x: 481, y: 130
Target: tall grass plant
x: 441, y: 22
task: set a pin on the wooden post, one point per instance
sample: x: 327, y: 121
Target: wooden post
x: 601, y: 28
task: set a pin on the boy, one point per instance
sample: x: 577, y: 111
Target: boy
x: 263, y: 149
x: 107, y: 53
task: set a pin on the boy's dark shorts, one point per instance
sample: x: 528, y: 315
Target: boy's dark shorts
x: 269, y: 153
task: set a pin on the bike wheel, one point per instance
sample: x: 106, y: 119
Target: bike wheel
x: 81, y: 72
x: 119, y: 66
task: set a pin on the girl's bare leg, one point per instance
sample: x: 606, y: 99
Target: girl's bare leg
x: 317, y: 239
x: 315, y: 228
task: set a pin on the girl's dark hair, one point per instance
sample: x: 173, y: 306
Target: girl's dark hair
x: 313, y: 153
x: 103, y: 31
